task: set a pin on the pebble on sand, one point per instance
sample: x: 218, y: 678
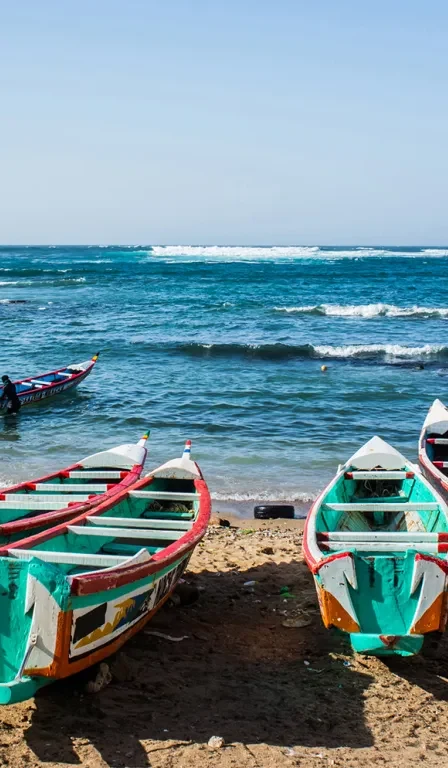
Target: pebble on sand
x: 216, y: 742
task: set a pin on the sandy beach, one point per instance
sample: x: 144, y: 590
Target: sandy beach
x: 276, y: 695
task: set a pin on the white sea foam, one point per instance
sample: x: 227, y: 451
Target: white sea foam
x: 266, y: 496
x: 238, y: 252
x: 233, y: 251
x: 388, y: 350
x: 366, y: 310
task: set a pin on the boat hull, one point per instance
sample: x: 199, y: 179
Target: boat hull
x: 44, y: 386
x: 90, y: 631
x: 379, y: 561
x: 75, y: 593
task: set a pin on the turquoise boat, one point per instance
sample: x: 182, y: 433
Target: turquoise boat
x: 72, y: 595
x: 376, y: 542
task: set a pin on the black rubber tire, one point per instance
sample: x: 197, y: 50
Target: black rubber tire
x: 273, y: 511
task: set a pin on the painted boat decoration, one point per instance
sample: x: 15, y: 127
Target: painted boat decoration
x: 74, y: 594
x: 35, y: 505
x: 45, y: 385
x: 376, y: 541
x: 433, y: 447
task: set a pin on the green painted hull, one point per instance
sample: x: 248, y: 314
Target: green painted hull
x: 71, y: 596
x: 376, y: 542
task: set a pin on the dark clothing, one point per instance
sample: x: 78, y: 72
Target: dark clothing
x: 10, y: 395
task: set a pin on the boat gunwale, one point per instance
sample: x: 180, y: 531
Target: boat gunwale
x: 73, y: 377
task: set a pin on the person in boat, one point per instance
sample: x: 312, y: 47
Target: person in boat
x: 10, y: 395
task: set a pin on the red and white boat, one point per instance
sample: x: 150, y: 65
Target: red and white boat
x: 433, y: 447
x: 36, y: 388
x: 38, y: 504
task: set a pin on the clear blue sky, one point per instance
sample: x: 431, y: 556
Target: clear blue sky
x: 224, y: 121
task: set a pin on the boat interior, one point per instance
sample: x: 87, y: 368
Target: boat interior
x: 48, y: 378
x: 379, y: 511
x: 150, y: 518
x: 59, y: 491
x: 437, y: 451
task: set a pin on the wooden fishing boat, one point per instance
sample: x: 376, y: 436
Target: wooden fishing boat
x: 433, y: 447
x: 45, y: 385
x: 376, y: 541
x: 35, y: 505
x: 74, y: 594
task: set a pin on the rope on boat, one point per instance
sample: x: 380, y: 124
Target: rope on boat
x: 166, y: 637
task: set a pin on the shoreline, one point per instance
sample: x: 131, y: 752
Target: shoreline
x: 244, y: 510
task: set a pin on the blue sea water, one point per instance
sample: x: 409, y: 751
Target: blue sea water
x: 224, y: 345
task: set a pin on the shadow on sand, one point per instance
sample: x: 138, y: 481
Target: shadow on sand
x: 428, y: 673
x: 240, y: 674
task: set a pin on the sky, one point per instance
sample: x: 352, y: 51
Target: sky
x: 212, y: 122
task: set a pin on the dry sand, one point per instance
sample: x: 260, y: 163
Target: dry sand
x: 278, y: 696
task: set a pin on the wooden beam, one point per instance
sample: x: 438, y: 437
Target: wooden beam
x: 68, y: 558
x: 167, y: 495
x: 124, y: 533
x: 99, y: 474
x: 71, y: 488
x: 406, y: 506
x: 139, y: 522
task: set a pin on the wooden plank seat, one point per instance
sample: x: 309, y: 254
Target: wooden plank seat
x: 99, y: 474
x: 38, y: 383
x: 440, y: 464
x: 162, y: 514
x: 386, y: 546
x: 379, y: 475
x: 72, y: 488
x: 50, y: 498
x: 165, y: 495
x: 138, y: 522
x: 405, y: 506
x: 437, y: 440
x: 28, y: 502
x: 121, y: 548
x: 68, y: 558
x: 124, y: 533
x: 369, y: 536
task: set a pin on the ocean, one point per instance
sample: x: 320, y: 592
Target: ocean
x: 224, y: 345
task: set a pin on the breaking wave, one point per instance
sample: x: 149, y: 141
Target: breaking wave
x: 234, y: 251
x: 371, y: 352
x: 238, y: 252
x: 366, y: 310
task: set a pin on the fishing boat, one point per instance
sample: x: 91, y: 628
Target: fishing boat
x: 376, y: 542
x: 74, y: 594
x: 433, y: 447
x: 37, y: 504
x: 45, y: 385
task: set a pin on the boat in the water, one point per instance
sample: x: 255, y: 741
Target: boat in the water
x: 35, y: 505
x: 433, y: 447
x: 376, y: 541
x: 45, y: 385
x: 72, y: 595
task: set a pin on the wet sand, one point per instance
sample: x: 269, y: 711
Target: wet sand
x: 279, y: 696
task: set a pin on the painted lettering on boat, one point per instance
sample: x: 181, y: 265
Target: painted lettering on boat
x: 98, y: 625
x: 42, y: 394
